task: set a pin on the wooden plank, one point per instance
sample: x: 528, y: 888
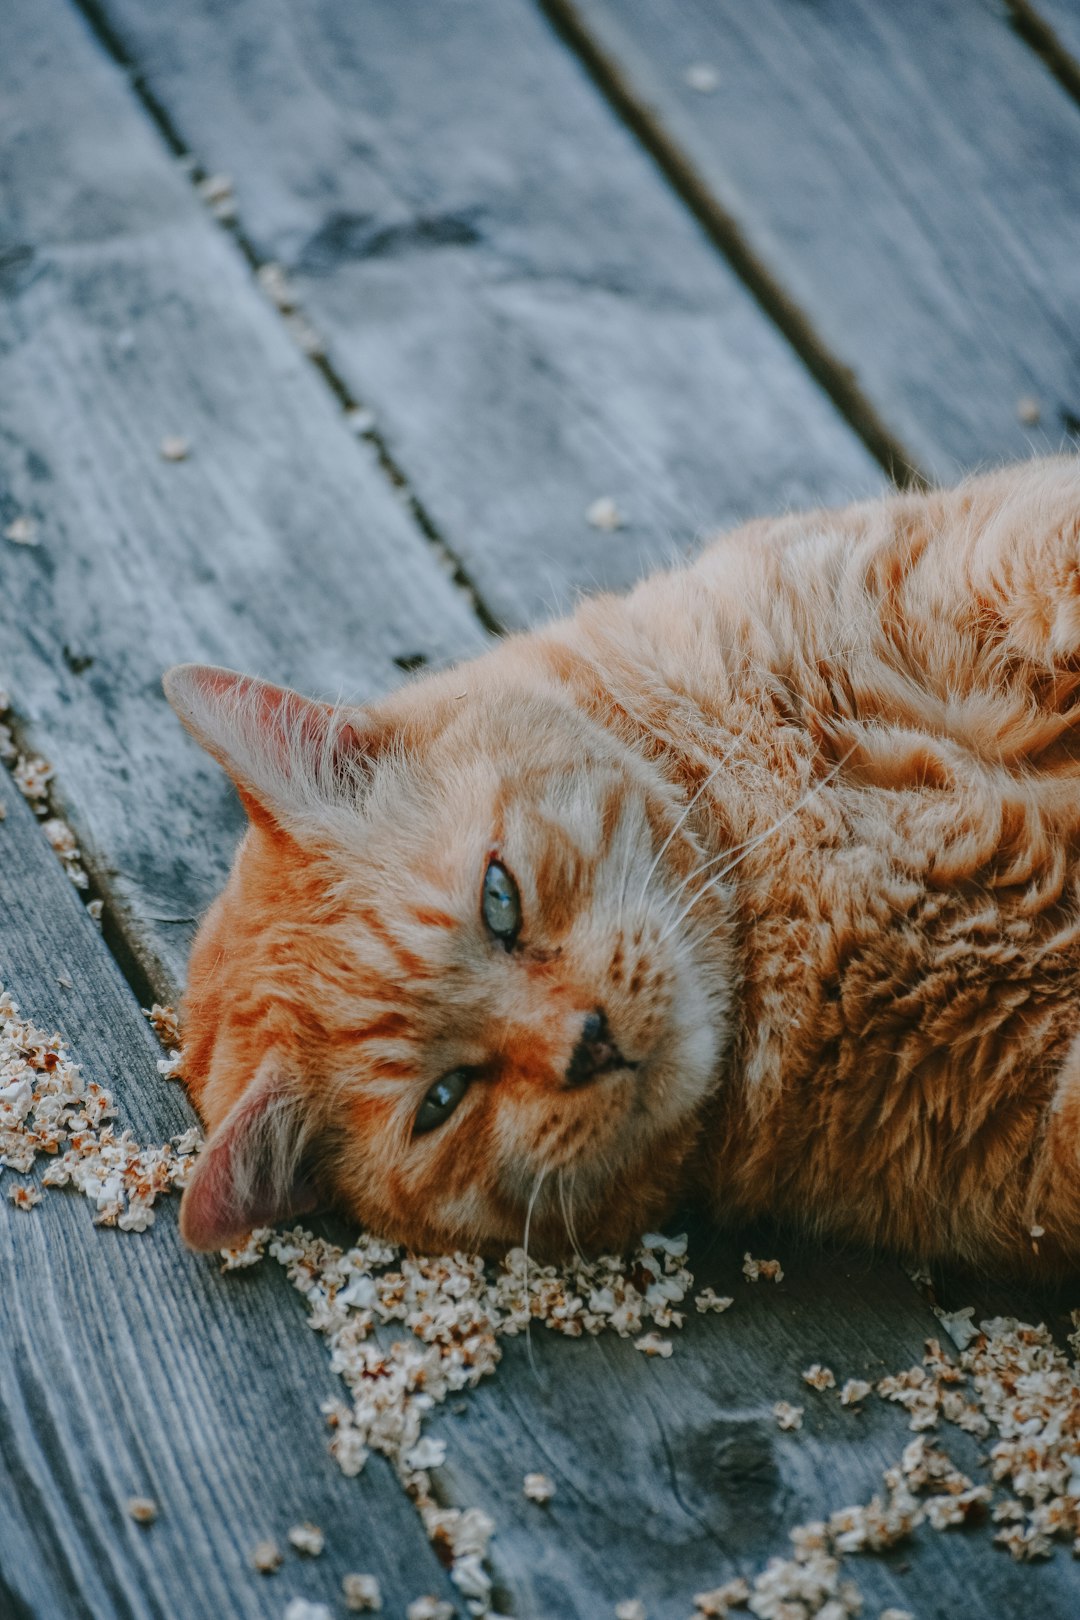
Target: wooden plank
x: 278, y: 545
x: 499, y: 272
x: 672, y: 1476
x: 131, y: 1367
x: 904, y: 179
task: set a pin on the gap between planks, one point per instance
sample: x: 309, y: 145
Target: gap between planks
x: 1036, y: 32
x: 449, y: 561
x: 833, y: 376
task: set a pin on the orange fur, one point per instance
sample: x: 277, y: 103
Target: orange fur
x: 802, y: 819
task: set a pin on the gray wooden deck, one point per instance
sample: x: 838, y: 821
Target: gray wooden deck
x: 551, y: 270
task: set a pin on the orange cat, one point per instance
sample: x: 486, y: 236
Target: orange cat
x: 760, y: 885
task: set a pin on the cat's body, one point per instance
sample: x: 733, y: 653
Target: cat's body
x: 794, y: 841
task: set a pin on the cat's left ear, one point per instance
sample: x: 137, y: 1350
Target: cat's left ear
x: 289, y: 756
x: 255, y: 1169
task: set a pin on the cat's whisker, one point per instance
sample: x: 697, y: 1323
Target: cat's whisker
x: 539, y: 1182
x: 567, y: 1217
x: 741, y: 851
x: 658, y: 857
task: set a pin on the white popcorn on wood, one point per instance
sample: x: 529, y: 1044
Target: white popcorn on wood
x: 303, y: 1609
x: 855, y: 1389
x: 361, y: 1594
x: 755, y: 1270
x: 307, y: 1538
x: 630, y: 1609
x: 788, y: 1416
x: 538, y: 1487
x: 142, y: 1509
x: 604, y: 514
x: 819, y: 1377
x: 710, y: 1300
x: 720, y: 1600
x: 429, y: 1608
x: 266, y: 1557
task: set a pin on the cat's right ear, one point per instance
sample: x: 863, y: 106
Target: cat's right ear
x: 256, y: 1167
x: 288, y: 755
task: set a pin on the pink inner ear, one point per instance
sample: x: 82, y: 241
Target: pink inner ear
x: 252, y: 1171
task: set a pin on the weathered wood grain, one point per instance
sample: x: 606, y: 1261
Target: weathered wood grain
x: 673, y: 1476
x: 906, y: 177
x: 278, y: 545
x: 131, y: 1367
x: 500, y: 273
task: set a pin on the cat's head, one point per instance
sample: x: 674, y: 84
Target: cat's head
x: 444, y: 985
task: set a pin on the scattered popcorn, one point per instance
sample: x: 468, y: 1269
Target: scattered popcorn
x: 142, y: 1509
x: 25, y: 1197
x: 22, y: 531
x: 66, y: 850
x: 819, y: 1377
x: 308, y: 1539
x: 266, y: 1557
x: 604, y: 514
x: 32, y: 777
x: 538, y: 1487
x: 630, y: 1609
x: 174, y: 447
x: 302, y: 1609
x: 703, y: 78
x: 94, y: 909
x: 753, y: 1270
x: 429, y: 1608
x: 788, y: 1416
x: 651, y: 1344
x: 362, y: 1594
x: 808, y: 1584
x: 717, y: 1602
x: 710, y: 1300
x: 856, y: 1389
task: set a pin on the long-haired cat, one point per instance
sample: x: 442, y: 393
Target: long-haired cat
x: 759, y: 885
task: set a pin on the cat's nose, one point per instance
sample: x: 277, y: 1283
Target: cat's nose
x: 595, y: 1051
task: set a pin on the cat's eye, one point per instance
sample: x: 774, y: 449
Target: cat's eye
x: 500, y: 904
x: 441, y: 1100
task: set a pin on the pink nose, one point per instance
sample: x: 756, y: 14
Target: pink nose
x: 595, y: 1052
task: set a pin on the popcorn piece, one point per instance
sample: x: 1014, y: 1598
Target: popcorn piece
x: 958, y: 1325
x: 604, y: 514
x: 819, y: 1377
x: 302, y: 1609
x: 754, y: 1270
x: 788, y: 1416
x: 216, y: 192
x: 896, y: 1614
x: 266, y: 1556
x: 362, y: 1594
x: 307, y: 1538
x: 732, y: 1595
x: 703, y: 78
x: 166, y: 1024
x: 22, y: 531
x: 651, y: 1344
x: 25, y: 1197
x: 630, y: 1609
x: 855, y: 1389
x: 710, y: 1300
x: 538, y: 1487
x: 429, y: 1608
x: 142, y: 1509
x: 94, y: 909
x: 174, y: 447
x: 275, y: 284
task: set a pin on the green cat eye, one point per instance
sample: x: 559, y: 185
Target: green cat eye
x: 500, y: 903
x: 441, y: 1100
